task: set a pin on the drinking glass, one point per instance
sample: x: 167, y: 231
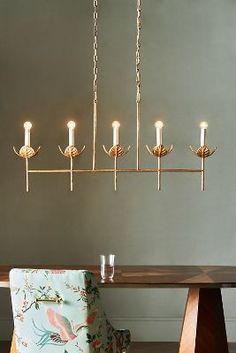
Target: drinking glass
x: 107, y: 263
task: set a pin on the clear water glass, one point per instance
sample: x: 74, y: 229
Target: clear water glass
x: 107, y: 263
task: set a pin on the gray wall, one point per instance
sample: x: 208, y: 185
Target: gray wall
x: 188, y: 75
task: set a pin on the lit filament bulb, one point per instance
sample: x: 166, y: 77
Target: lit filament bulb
x: 27, y: 127
x: 203, y: 127
x: 71, y: 126
x: 116, y: 132
x: 158, y: 125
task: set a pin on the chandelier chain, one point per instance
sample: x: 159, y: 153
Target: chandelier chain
x: 138, y: 83
x: 95, y: 78
x: 138, y: 46
x: 95, y: 48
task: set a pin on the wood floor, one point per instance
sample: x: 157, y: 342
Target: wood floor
x: 163, y: 347
x: 139, y: 347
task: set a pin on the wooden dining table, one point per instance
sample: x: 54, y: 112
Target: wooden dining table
x: 203, y: 329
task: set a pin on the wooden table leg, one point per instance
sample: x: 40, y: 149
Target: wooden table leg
x: 204, y: 325
x: 13, y: 344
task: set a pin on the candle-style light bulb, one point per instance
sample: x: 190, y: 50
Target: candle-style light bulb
x: 71, y: 126
x: 116, y: 133
x: 27, y: 127
x: 203, y: 126
x: 158, y: 125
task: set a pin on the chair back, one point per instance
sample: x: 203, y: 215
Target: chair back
x: 59, y: 311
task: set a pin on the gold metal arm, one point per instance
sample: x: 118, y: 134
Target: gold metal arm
x: 203, y: 152
x: 71, y: 152
x: 26, y: 152
x: 116, y: 152
x: 159, y: 152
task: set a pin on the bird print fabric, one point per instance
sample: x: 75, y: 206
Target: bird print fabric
x: 62, y: 324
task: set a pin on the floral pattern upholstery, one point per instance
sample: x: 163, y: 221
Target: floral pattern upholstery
x: 60, y: 311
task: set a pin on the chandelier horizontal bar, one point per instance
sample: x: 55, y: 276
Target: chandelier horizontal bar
x: 133, y: 170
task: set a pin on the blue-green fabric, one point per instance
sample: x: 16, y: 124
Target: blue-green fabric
x: 71, y: 320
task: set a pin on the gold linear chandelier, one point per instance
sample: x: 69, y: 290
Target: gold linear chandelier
x: 116, y: 151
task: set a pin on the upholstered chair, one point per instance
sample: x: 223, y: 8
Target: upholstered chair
x: 60, y: 311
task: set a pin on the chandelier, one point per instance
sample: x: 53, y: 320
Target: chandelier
x: 116, y: 151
